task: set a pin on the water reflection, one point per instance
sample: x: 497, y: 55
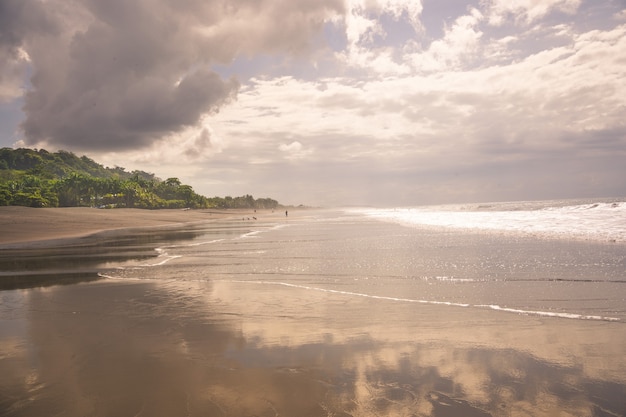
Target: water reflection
x: 203, y: 348
x: 79, y: 260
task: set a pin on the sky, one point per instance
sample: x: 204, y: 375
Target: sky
x: 328, y: 102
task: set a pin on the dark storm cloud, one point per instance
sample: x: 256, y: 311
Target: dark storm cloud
x: 200, y: 144
x: 112, y: 75
x: 16, y: 16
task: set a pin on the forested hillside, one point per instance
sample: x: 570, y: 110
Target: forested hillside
x: 38, y: 178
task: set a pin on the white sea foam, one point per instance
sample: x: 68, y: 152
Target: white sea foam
x: 598, y: 221
x: 356, y: 294
x: 164, y: 259
x: 549, y: 313
x: 555, y: 314
x: 254, y: 233
x: 449, y: 279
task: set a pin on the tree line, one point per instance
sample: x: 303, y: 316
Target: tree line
x: 38, y: 178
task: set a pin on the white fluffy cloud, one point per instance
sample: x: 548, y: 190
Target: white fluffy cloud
x: 355, y: 101
x: 527, y: 11
x: 475, y: 115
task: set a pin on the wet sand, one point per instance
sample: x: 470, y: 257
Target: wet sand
x: 307, y: 320
x: 20, y: 225
x: 228, y: 349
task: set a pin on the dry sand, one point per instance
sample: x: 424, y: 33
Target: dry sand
x: 25, y: 224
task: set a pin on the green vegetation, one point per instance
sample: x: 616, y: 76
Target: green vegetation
x: 38, y: 178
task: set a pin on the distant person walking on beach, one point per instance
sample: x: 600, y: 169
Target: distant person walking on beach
x: 286, y: 213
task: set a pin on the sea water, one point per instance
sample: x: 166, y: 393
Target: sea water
x: 551, y: 259
x: 469, y: 310
x: 595, y: 220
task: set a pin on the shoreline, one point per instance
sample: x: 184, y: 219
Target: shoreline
x: 26, y: 226
x: 108, y: 323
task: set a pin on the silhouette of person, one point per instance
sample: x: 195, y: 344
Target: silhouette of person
x: 286, y: 213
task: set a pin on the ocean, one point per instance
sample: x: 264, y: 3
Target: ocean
x: 499, y: 309
x: 591, y: 220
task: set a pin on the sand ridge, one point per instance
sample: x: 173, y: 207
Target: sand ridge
x: 25, y: 224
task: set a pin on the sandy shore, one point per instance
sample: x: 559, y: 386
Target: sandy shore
x: 24, y: 224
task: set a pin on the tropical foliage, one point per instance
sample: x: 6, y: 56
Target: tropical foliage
x: 38, y: 178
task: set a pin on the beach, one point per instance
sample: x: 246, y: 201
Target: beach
x: 25, y: 224
x: 316, y: 314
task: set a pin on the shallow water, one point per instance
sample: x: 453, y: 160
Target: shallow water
x: 323, y: 314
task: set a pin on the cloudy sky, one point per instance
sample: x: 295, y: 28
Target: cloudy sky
x: 328, y: 102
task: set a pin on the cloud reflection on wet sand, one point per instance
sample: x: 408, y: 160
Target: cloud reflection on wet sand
x: 223, y: 348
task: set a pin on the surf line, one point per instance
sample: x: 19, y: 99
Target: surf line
x: 432, y: 302
x: 547, y: 313
x: 356, y: 294
x: 161, y: 251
